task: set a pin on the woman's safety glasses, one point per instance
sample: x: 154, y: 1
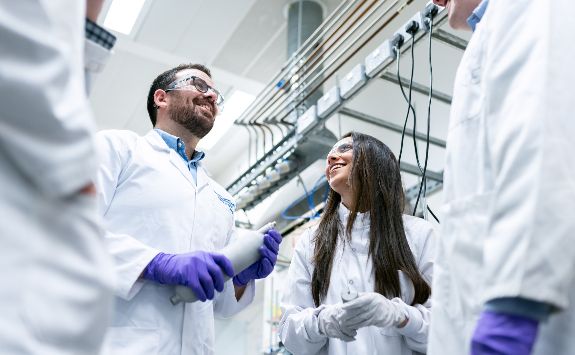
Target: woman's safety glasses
x: 340, y: 149
x: 199, y: 84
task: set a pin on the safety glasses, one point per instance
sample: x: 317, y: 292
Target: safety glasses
x: 341, y: 149
x: 199, y: 84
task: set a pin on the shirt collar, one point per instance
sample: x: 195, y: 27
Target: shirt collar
x: 361, y: 221
x: 178, y: 145
x: 477, y: 14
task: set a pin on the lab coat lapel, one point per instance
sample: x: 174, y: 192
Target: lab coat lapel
x: 158, y: 143
x: 203, y: 178
x: 181, y: 165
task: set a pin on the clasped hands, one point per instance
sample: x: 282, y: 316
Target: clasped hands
x: 203, y: 272
x: 369, y: 309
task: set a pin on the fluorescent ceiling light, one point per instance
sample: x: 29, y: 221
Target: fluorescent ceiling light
x: 123, y: 14
x: 238, y: 102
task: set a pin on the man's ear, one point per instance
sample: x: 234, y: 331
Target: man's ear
x: 160, y: 99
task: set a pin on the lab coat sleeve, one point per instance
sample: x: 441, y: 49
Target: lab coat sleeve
x: 46, y: 124
x: 530, y: 244
x: 95, y: 60
x: 225, y: 303
x: 416, y: 330
x: 299, y: 327
x: 130, y: 255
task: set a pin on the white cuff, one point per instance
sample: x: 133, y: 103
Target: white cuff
x: 414, y: 323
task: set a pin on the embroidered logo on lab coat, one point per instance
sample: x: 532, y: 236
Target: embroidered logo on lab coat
x: 229, y: 204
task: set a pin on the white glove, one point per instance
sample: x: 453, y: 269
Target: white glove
x: 329, y: 323
x: 373, y: 309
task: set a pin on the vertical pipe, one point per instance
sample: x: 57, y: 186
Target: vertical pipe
x: 303, y: 18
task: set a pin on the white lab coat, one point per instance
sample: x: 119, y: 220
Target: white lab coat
x: 508, y: 225
x: 150, y: 203
x: 55, y: 274
x: 298, y: 328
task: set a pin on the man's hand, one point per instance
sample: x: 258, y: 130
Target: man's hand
x: 263, y: 267
x: 201, y: 271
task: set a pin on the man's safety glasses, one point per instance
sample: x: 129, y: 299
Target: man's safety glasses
x: 199, y: 84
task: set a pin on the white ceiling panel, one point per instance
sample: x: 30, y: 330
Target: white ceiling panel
x: 118, y: 93
x: 210, y: 28
x: 167, y: 21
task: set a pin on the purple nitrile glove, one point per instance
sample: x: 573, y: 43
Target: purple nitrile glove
x: 503, y: 334
x: 263, y: 267
x: 201, y: 271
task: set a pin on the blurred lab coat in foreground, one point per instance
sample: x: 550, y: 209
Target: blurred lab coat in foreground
x: 55, y: 274
x: 150, y: 203
x: 508, y: 228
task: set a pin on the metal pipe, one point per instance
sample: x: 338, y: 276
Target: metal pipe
x: 388, y: 125
x: 414, y: 169
x: 450, y: 39
x: 268, y: 104
x: 420, y: 88
x: 332, y: 19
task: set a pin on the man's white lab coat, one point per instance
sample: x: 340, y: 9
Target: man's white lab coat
x: 508, y: 225
x: 150, y: 203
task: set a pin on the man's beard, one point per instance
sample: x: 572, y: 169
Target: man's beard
x: 192, y: 118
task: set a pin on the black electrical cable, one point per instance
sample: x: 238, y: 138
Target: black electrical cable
x: 433, y: 214
x: 409, y: 104
x: 410, y: 96
x: 423, y: 185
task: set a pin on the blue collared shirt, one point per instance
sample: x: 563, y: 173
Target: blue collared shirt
x: 179, y: 147
x: 477, y: 14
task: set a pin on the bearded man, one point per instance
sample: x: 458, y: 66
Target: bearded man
x: 165, y: 220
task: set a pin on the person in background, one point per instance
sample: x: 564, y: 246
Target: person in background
x: 55, y: 273
x: 165, y: 220
x: 505, y: 270
x: 364, y: 245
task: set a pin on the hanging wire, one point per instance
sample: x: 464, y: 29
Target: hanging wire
x: 423, y: 185
x: 409, y: 104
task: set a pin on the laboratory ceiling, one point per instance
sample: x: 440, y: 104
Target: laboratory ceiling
x: 244, y: 42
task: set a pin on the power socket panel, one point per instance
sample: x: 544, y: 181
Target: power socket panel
x: 379, y: 59
x: 352, y: 81
x: 328, y: 102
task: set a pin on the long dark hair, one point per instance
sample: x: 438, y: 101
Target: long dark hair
x: 376, y: 183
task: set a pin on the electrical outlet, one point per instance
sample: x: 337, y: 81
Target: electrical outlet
x: 306, y: 120
x: 328, y: 102
x: 352, y: 81
x: 378, y: 59
x: 416, y: 22
x: 432, y: 9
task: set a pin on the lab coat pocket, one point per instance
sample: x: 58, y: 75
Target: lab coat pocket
x: 131, y: 340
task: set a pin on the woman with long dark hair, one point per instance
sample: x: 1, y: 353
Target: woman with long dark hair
x: 359, y: 281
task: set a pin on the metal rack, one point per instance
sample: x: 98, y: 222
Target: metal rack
x: 283, y: 102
